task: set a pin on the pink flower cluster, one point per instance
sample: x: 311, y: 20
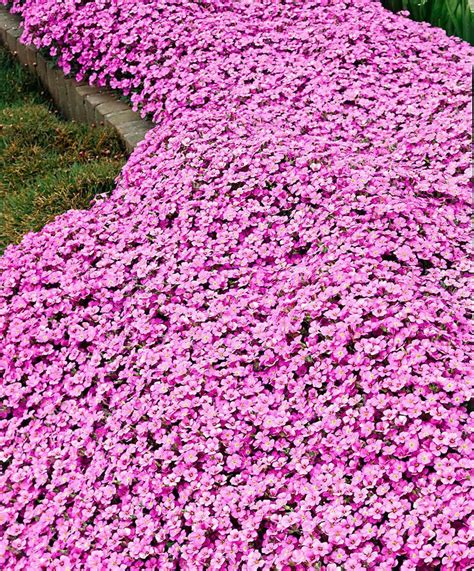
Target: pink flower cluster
x: 254, y: 354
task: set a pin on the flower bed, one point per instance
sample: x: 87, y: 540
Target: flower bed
x: 253, y: 355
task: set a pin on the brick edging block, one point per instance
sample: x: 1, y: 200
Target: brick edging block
x: 76, y: 101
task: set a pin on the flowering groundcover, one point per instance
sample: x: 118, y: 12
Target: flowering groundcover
x: 254, y: 354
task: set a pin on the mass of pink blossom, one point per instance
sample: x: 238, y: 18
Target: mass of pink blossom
x: 253, y: 355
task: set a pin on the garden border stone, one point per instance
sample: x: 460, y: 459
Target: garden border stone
x: 77, y: 101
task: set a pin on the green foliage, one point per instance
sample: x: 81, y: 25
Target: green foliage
x: 455, y: 16
x: 47, y: 165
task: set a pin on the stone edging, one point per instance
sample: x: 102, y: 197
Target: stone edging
x: 77, y: 101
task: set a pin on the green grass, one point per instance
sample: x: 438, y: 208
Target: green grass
x: 47, y: 165
x: 454, y: 16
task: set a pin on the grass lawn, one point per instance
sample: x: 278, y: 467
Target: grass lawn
x: 47, y: 165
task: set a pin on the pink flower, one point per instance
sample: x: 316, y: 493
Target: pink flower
x: 404, y: 253
x: 234, y: 461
